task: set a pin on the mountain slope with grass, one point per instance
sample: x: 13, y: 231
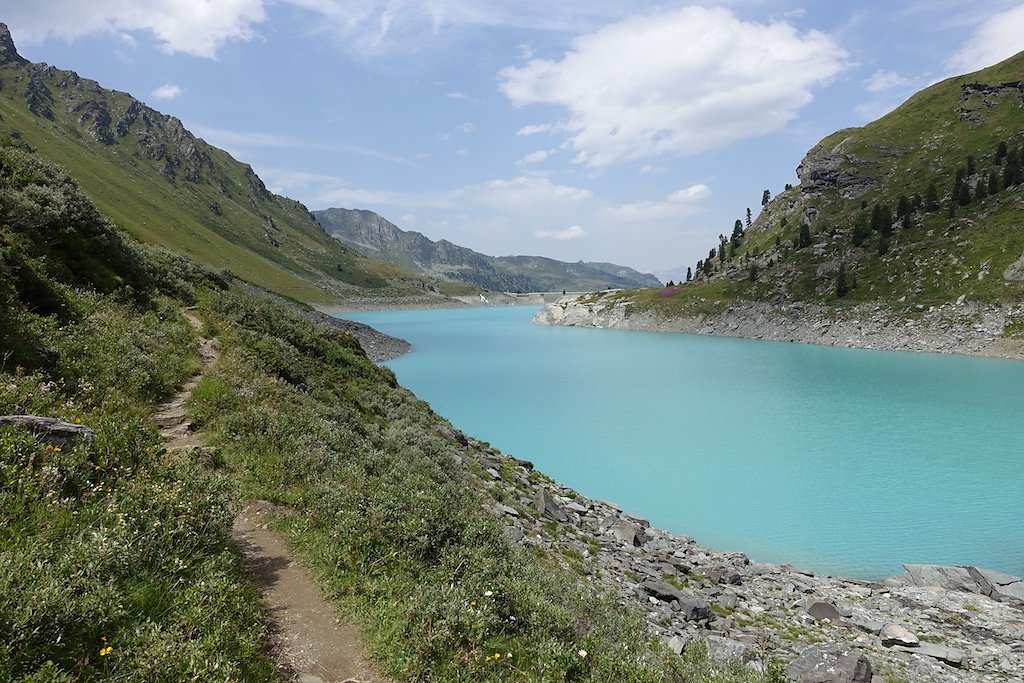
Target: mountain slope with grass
x: 915, y: 219
x: 165, y: 186
x: 115, y: 557
x: 373, y: 235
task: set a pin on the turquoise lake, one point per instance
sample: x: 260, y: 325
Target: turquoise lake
x: 846, y: 462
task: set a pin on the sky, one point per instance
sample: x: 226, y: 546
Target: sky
x: 598, y: 130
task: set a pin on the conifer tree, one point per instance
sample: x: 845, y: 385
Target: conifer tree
x: 766, y: 197
x: 841, y: 287
x: 931, y: 201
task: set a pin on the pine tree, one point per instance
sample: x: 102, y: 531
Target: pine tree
x: 931, y: 201
x: 993, y: 182
x: 841, y: 287
x: 689, y: 273
x: 766, y: 197
x: 805, y: 236
x: 1000, y: 152
x: 748, y: 217
x: 964, y: 195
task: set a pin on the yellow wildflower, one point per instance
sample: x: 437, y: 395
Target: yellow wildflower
x: 106, y: 651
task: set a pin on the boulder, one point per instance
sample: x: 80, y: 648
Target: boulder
x: 547, y: 506
x: 830, y: 664
x: 943, y: 653
x: 662, y: 590
x: 824, y: 610
x: 677, y: 644
x: 997, y: 584
x: 726, y: 648
x: 626, y: 533
x: 50, y: 430
x: 451, y: 434
x: 894, y: 634
x: 693, y: 608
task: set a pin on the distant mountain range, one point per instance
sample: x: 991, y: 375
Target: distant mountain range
x: 374, y: 236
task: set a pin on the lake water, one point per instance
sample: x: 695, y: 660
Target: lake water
x: 845, y: 462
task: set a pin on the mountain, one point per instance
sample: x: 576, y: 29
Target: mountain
x: 167, y: 187
x: 917, y: 217
x: 374, y: 236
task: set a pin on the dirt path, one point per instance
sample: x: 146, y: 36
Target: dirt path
x: 309, y: 640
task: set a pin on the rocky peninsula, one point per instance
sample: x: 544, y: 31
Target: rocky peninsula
x: 964, y: 327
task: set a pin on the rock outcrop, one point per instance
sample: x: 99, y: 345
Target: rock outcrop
x: 963, y: 327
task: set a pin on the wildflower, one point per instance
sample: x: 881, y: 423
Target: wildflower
x: 56, y: 449
x: 583, y: 653
x: 472, y: 603
x: 488, y: 594
x: 106, y: 651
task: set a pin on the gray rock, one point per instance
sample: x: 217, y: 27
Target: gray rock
x: 662, y: 590
x: 867, y: 624
x: 451, y: 434
x: 677, y: 644
x: 824, y: 610
x: 894, y: 634
x: 547, y: 506
x: 830, y: 664
x: 726, y: 648
x: 692, y: 608
x: 997, y: 584
x: 514, y: 534
x: 50, y: 430
x: 943, y: 653
x: 626, y: 532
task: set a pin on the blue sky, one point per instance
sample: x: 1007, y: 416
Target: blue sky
x: 600, y: 130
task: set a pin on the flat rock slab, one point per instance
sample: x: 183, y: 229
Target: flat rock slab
x: 310, y: 637
x: 830, y: 664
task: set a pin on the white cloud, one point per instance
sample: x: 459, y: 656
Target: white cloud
x: 465, y: 128
x: 235, y: 141
x: 168, y: 91
x: 373, y: 27
x: 678, y: 82
x: 195, y: 28
x: 884, y: 80
x: 458, y: 95
x: 535, y: 129
x: 993, y: 40
x: 534, y: 157
x: 571, y: 233
x: 679, y: 203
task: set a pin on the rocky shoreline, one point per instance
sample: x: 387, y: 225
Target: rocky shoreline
x: 942, y: 624
x: 965, y: 327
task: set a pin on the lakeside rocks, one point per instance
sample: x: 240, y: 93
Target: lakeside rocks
x: 964, y: 327
x: 940, y: 624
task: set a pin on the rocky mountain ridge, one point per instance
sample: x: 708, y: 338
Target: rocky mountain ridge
x: 372, y: 235
x: 166, y: 186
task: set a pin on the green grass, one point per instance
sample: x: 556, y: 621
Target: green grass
x: 115, y: 562
x: 223, y: 217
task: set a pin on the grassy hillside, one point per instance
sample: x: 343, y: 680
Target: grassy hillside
x: 115, y: 561
x: 167, y: 187
x: 918, y: 208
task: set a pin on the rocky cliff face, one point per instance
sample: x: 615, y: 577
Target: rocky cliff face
x: 830, y: 166
x: 964, y: 327
x: 372, y: 235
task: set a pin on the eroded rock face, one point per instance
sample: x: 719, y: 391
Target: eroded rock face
x: 829, y: 166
